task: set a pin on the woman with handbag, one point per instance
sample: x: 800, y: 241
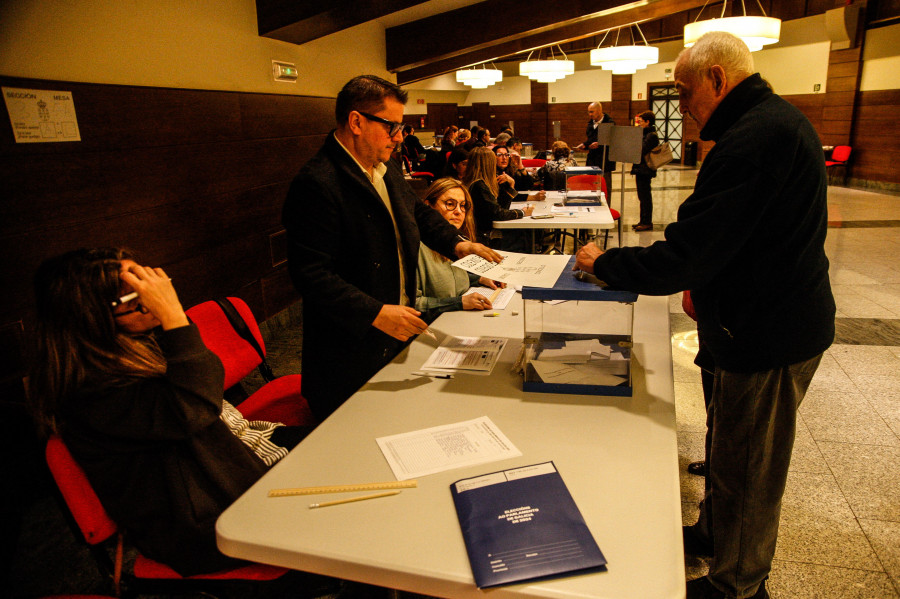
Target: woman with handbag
x: 643, y: 173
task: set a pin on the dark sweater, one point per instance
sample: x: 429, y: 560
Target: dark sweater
x: 159, y: 458
x: 749, y: 242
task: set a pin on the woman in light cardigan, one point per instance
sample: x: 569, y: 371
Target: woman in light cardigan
x: 439, y: 285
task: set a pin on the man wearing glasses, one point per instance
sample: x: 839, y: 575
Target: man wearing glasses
x: 354, y: 227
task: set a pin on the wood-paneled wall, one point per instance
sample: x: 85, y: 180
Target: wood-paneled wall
x: 193, y: 181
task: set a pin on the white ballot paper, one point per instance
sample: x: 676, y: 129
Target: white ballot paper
x: 440, y: 448
x: 477, y: 355
x: 499, y: 297
x: 532, y: 270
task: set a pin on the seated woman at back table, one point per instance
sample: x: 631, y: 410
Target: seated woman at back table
x: 552, y: 173
x: 440, y: 285
x: 457, y: 163
x: 138, y: 408
x: 491, y: 198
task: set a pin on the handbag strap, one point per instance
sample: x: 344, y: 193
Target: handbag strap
x: 241, y: 328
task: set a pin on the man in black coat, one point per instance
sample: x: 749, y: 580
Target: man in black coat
x: 749, y: 244
x: 596, y: 152
x: 353, y: 227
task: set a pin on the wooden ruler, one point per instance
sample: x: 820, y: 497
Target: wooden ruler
x: 397, y: 484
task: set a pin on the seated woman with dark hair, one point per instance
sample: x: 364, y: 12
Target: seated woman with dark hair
x: 440, y: 285
x: 491, y: 199
x: 517, y: 177
x: 137, y: 398
x: 457, y: 163
x: 552, y: 173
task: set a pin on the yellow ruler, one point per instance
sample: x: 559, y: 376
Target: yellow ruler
x: 397, y: 484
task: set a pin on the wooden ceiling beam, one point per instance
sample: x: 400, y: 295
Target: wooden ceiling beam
x: 301, y: 21
x: 567, y: 32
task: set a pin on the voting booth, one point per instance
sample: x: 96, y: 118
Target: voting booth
x: 578, y: 337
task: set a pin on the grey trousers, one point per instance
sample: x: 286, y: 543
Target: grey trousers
x: 751, y: 421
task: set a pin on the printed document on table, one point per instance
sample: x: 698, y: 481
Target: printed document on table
x: 499, y: 297
x: 477, y: 355
x: 440, y: 448
x: 532, y: 270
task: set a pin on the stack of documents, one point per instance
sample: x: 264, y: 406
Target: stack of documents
x: 581, y: 362
x: 476, y: 355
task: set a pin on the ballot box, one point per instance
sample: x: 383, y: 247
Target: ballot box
x: 578, y: 336
x: 584, y: 186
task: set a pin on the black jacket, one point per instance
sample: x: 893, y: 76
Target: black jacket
x: 749, y: 242
x: 650, y: 141
x: 595, y: 156
x: 342, y: 257
x: 159, y: 458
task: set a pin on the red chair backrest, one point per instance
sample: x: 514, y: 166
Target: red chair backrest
x: 92, y: 519
x: 533, y: 162
x: 587, y: 183
x: 841, y: 153
x: 238, y: 356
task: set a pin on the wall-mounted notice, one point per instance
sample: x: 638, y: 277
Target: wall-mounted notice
x: 41, y: 115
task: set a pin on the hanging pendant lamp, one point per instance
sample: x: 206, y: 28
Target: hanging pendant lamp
x: 548, y: 70
x: 479, y: 78
x: 625, y: 60
x: 756, y: 32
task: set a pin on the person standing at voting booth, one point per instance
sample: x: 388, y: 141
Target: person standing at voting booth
x: 749, y: 244
x: 353, y: 227
x: 598, y: 155
x: 643, y: 174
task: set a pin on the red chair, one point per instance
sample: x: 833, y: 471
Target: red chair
x: 533, y: 162
x: 279, y: 400
x: 840, y: 157
x: 417, y: 174
x: 96, y: 527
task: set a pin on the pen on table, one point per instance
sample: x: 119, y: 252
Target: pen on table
x: 490, y: 314
x: 433, y: 375
x: 352, y: 499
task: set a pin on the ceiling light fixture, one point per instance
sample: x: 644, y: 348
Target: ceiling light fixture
x: 625, y: 60
x: 479, y: 78
x: 756, y: 32
x: 547, y: 70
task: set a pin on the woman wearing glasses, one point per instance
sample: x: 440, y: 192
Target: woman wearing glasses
x: 440, y: 286
x: 491, y: 198
x: 137, y: 398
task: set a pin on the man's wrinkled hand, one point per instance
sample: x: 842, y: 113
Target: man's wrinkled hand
x: 584, y: 259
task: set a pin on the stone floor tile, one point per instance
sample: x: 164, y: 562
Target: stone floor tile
x: 845, y: 418
x: 792, y: 580
x: 885, y: 540
x: 818, y: 527
x: 868, y: 476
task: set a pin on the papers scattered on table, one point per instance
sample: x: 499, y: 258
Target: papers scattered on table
x: 581, y: 362
x: 533, y: 270
x: 572, y: 209
x: 441, y: 448
x: 499, y: 298
x: 477, y: 355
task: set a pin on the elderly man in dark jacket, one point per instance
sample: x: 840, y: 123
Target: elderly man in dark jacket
x: 749, y: 244
x: 354, y: 227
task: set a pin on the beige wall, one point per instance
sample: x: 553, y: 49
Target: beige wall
x: 194, y: 44
x: 881, y: 59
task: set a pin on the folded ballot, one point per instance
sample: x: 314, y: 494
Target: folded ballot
x: 522, y: 524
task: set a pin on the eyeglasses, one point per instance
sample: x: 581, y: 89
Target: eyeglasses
x: 451, y: 205
x: 502, y: 155
x: 139, y: 308
x: 393, y: 126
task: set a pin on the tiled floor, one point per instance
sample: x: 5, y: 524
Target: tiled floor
x: 840, y: 524
x: 840, y: 528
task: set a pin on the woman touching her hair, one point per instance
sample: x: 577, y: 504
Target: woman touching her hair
x: 136, y: 396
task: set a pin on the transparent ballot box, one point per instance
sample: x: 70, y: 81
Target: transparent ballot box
x: 584, y: 186
x: 578, y: 337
